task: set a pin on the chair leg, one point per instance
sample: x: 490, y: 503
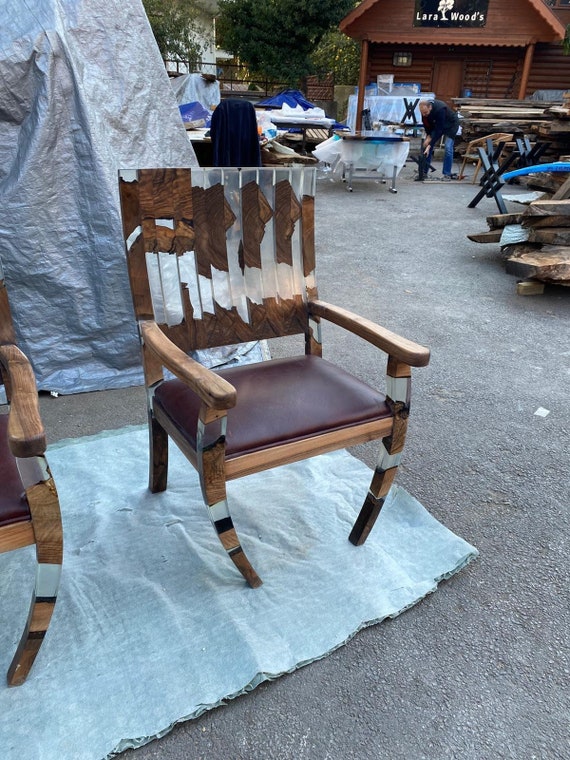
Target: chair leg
x: 213, y: 483
x: 382, y: 480
x: 158, y: 455
x: 46, y: 519
x: 398, y: 398
x: 41, y: 609
x: 223, y: 523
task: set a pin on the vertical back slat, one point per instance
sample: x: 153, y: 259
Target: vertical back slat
x: 231, y: 252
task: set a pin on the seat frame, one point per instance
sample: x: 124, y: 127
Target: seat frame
x: 149, y: 197
x: 42, y: 527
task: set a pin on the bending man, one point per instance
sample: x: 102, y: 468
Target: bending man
x: 439, y: 119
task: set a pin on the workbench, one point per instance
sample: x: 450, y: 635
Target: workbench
x: 368, y: 155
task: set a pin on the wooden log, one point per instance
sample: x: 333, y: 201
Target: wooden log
x: 548, y: 208
x: 530, y: 288
x: 498, y: 221
x: 550, y: 235
x: 546, y: 221
x: 492, y: 236
x: 563, y: 191
x: 516, y: 249
x: 549, y: 264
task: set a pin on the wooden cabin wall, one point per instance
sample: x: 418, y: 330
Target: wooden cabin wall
x: 393, y: 21
x: 488, y: 72
x: 550, y: 69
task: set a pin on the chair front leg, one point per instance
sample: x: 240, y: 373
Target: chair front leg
x: 398, y: 399
x: 46, y: 519
x: 211, y: 468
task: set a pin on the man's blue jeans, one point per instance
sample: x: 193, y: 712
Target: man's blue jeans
x: 448, y: 155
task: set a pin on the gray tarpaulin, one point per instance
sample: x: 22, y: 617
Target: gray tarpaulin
x: 83, y: 92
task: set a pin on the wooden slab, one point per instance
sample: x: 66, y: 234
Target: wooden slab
x: 549, y: 264
x: 498, y: 221
x: 550, y: 235
x: 492, y: 236
x: 548, y: 208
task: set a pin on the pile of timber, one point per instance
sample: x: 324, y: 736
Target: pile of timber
x: 535, y: 243
x: 546, y: 121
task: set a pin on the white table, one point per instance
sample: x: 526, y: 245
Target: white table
x: 379, y: 153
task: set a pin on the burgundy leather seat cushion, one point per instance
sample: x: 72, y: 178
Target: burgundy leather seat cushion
x: 13, y: 505
x: 279, y: 401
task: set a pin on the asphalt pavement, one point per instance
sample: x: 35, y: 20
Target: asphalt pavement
x: 480, y: 669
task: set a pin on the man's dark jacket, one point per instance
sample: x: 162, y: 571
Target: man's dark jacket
x: 441, y: 120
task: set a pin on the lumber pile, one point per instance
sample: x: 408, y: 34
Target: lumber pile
x: 541, y: 120
x: 535, y: 243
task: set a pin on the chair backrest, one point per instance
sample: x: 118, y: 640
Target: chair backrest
x: 220, y: 256
x: 233, y: 131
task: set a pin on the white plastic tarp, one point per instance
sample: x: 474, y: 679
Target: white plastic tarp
x: 83, y: 92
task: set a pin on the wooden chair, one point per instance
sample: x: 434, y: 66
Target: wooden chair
x: 29, y: 505
x: 226, y: 256
x: 472, y: 154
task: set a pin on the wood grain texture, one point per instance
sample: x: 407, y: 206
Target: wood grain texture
x: 212, y: 389
x: 295, y: 451
x: 158, y: 459
x: 7, y: 334
x: 46, y: 519
x: 402, y: 348
x: 256, y: 213
x: 25, y: 429
x: 16, y: 536
x: 287, y: 213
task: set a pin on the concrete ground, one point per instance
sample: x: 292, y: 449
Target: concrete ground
x: 480, y: 669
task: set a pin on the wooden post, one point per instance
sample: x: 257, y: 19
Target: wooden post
x: 361, y: 83
x: 528, y: 56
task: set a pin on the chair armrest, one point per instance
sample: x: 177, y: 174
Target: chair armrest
x: 403, y: 349
x: 26, y: 435
x: 214, y: 391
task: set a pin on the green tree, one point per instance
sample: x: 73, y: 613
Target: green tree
x: 176, y: 28
x: 338, y: 54
x: 277, y: 37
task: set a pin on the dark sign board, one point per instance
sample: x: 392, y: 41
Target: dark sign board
x: 450, y: 13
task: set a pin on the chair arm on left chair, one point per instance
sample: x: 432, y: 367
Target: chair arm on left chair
x: 26, y: 435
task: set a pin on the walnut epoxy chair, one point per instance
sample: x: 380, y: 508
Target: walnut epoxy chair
x: 29, y: 504
x: 224, y: 256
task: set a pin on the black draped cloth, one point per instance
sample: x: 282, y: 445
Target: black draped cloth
x: 233, y: 131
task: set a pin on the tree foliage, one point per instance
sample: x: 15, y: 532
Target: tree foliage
x: 176, y: 28
x: 276, y: 37
x: 338, y: 54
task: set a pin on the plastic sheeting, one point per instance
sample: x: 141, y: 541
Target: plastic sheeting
x: 83, y: 92
x: 382, y: 157
x: 193, y: 88
x: 154, y: 624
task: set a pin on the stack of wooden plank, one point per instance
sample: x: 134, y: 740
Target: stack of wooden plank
x: 535, y: 243
x: 547, y: 121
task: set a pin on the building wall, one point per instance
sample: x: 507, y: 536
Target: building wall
x: 488, y: 72
x: 509, y: 22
